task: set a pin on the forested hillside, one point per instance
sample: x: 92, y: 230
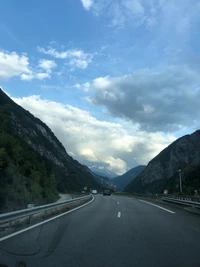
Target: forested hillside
x: 34, y: 165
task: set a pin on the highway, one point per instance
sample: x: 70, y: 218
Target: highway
x: 111, y: 231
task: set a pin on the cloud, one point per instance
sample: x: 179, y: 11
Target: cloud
x: 101, y: 83
x: 119, y: 12
x: 52, y: 52
x: 134, y: 7
x: 176, y: 21
x: 162, y: 101
x: 42, y: 76
x: 75, y: 58
x: 85, y: 86
x: 95, y: 142
x: 80, y: 63
x: 47, y: 65
x: 126, y: 11
x: 27, y: 77
x: 87, y: 4
x: 173, y: 17
x: 14, y: 65
x: 38, y: 76
x: 77, y: 86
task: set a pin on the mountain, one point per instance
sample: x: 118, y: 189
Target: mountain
x: 122, y: 180
x: 103, y: 180
x: 161, y: 172
x: 103, y: 172
x: 34, y: 165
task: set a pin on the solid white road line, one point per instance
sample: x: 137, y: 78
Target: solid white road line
x: 119, y: 214
x: 157, y: 206
x: 41, y: 223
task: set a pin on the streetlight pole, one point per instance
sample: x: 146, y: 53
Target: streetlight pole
x: 180, y: 180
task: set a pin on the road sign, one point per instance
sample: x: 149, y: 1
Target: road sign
x: 85, y: 188
x: 165, y: 192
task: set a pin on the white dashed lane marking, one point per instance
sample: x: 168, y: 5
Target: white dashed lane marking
x: 158, y: 206
x: 119, y: 214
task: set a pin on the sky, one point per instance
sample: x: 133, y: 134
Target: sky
x: 116, y: 81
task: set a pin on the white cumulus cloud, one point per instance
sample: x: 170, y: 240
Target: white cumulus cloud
x: 42, y: 76
x: 74, y: 58
x: 92, y: 141
x: 52, y: 52
x: 38, y: 76
x: 47, y: 65
x: 87, y: 4
x: 15, y: 65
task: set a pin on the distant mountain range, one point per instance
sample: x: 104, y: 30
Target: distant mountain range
x: 34, y: 165
x: 122, y: 180
x: 103, y: 172
x: 161, y: 172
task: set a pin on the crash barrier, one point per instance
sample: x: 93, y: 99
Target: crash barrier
x: 186, y: 201
x: 11, y: 219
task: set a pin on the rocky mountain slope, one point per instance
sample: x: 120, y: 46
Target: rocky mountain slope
x: 34, y: 165
x: 122, y: 180
x: 161, y: 172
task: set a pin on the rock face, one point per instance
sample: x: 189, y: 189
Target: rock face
x: 31, y: 155
x: 122, y: 180
x: 181, y: 154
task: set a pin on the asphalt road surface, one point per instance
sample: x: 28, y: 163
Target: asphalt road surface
x: 111, y: 231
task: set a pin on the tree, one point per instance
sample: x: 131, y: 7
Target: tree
x: 3, y: 159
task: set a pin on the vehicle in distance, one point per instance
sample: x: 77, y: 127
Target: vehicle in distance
x: 106, y: 193
x: 94, y: 192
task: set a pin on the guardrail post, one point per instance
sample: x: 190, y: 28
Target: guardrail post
x: 29, y: 219
x: 45, y: 214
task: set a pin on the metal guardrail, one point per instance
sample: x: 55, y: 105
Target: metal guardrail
x: 190, y: 201
x: 27, y: 213
x: 187, y: 201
